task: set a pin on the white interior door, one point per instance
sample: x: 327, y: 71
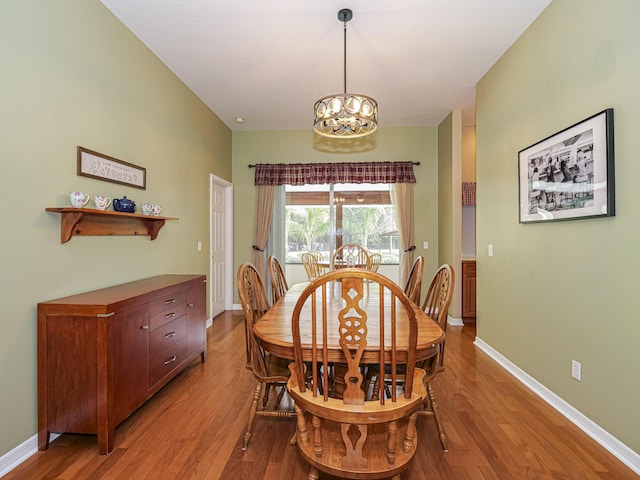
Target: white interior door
x: 220, y: 245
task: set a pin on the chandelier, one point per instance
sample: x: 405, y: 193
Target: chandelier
x: 347, y: 115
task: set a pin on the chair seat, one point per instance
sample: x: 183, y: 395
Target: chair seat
x: 373, y: 416
x: 375, y: 451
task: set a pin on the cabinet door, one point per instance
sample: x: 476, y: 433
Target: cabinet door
x: 469, y: 290
x: 469, y: 307
x: 196, y: 317
x: 128, y: 361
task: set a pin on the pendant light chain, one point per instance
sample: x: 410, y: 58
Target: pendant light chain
x: 345, y: 55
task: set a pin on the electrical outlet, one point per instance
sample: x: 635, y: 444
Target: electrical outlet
x: 199, y: 246
x: 576, y: 369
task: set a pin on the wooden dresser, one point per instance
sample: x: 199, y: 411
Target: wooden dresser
x: 102, y: 354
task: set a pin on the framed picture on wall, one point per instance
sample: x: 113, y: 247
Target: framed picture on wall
x: 569, y: 175
x: 103, y: 167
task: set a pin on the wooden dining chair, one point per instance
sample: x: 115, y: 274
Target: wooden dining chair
x: 413, y: 286
x: 270, y: 372
x: 279, y: 285
x: 323, y: 267
x: 352, y: 436
x: 436, y: 305
x: 311, y: 262
x: 375, y: 260
x: 350, y: 255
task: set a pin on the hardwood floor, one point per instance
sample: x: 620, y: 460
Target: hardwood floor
x: 193, y: 428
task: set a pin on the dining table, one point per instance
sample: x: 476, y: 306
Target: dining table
x: 275, y: 335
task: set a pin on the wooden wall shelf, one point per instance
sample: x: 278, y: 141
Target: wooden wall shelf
x: 91, y: 222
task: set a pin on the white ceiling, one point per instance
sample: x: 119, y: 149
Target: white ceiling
x: 268, y: 61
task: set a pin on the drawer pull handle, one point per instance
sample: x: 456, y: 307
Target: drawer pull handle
x: 170, y: 315
x: 170, y: 334
x: 190, y: 305
x: 170, y: 360
x: 167, y: 302
x: 144, y: 327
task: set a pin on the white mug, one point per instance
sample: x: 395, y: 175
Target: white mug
x: 101, y: 202
x: 78, y: 199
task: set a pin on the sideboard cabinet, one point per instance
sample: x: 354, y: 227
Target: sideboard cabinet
x: 102, y: 354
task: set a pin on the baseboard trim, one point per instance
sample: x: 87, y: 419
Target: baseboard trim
x: 618, y: 449
x: 454, y: 322
x: 15, y: 457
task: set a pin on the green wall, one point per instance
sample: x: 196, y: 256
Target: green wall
x: 559, y: 291
x: 303, y: 146
x: 445, y: 185
x: 450, y: 202
x: 74, y: 75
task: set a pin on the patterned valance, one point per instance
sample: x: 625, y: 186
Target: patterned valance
x: 468, y: 193
x: 321, y: 173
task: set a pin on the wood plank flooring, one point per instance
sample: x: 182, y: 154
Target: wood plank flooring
x: 193, y: 428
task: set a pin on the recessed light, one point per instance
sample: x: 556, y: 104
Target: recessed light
x: 239, y: 120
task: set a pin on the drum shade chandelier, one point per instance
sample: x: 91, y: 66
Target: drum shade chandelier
x: 345, y: 115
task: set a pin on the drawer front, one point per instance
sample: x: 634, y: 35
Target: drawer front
x: 173, y: 312
x: 164, y: 362
x: 163, y: 337
x: 167, y: 299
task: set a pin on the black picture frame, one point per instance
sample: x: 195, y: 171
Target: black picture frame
x: 570, y: 174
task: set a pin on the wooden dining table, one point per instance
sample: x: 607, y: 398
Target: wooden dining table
x: 275, y: 335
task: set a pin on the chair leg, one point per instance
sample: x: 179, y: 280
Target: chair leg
x: 313, y: 474
x: 435, y: 409
x: 265, y: 398
x: 280, y: 395
x: 252, y: 415
x: 375, y: 394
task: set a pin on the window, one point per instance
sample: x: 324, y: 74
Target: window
x: 361, y: 213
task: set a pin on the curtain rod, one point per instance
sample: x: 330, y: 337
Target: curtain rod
x: 253, y: 166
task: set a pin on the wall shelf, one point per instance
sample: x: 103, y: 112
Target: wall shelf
x: 91, y: 222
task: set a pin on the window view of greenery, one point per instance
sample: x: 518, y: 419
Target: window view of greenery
x: 364, y: 217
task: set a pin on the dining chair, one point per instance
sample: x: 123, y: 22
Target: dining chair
x: 414, y: 281
x: 436, y: 305
x: 323, y: 267
x: 311, y: 262
x: 279, y: 285
x: 375, y: 259
x: 352, y: 436
x: 350, y: 255
x: 270, y: 372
